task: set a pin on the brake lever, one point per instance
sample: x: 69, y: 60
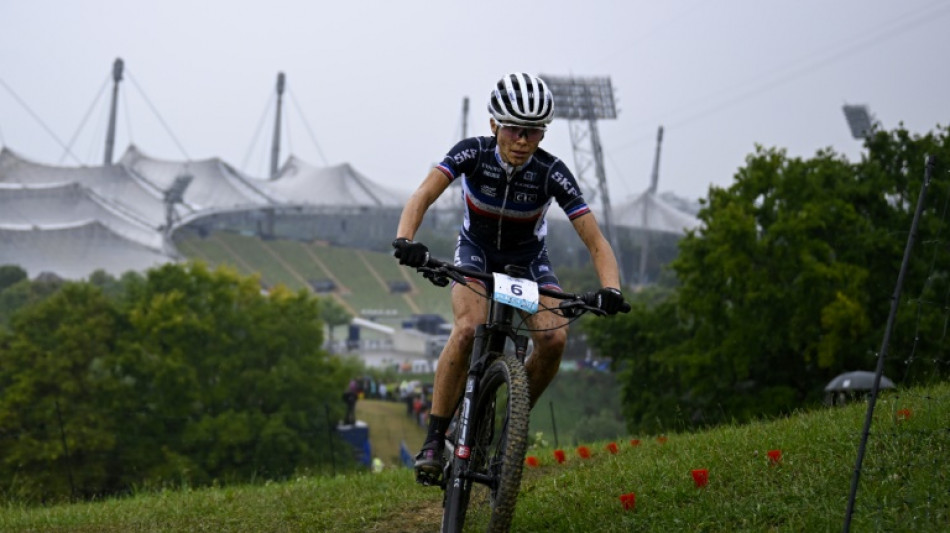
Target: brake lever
x: 437, y: 279
x: 575, y: 308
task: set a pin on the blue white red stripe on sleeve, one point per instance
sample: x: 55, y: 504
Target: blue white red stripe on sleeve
x: 578, y: 211
x: 446, y: 170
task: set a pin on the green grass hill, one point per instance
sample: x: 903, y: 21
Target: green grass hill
x: 903, y: 486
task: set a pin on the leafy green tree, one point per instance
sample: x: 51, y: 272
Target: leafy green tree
x: 238, y: 377
x: 187, y: 376
x: 10, y: 274
x: 787, y: 284
x: 22, y: 293
x: 57, y: 436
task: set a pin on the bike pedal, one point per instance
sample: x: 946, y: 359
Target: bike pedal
x: 428, y: 480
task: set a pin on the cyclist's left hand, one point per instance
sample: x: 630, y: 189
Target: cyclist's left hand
x: 609, y: 300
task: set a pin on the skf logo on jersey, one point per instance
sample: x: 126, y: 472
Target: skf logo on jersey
x: 529, y: 176
x: 464, y: 155
x: 488, y: 190
x: 544, y: 268
x: 525, y: 198
x: 562, y: 180
x: 476, y: 259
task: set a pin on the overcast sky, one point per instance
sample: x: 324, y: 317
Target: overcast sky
x: 380, y: 84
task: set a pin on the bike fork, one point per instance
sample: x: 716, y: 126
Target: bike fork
x: 463, y: 448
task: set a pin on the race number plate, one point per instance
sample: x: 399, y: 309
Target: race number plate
x: 516, y: 292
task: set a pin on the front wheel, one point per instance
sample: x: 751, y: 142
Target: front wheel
x: 500, y: 440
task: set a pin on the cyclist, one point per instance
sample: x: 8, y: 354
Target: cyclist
x: 508, y: 183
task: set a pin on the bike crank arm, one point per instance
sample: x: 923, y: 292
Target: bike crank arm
x: 485, y: 479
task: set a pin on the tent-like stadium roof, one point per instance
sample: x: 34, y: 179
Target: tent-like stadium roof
x: 214, y: 184
x: 36, y: 207
x: 76, y: 251
x: 134, y: 196
x: 648, y: 211
x: 298, y: 182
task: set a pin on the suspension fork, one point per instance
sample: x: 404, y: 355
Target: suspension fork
x: 489, y: 338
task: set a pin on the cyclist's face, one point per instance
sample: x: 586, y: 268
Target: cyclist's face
x: 516, y: 144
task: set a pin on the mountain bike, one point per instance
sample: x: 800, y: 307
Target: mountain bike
x: 488, y: 437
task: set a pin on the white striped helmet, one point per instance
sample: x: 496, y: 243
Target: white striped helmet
x: 521, y: 99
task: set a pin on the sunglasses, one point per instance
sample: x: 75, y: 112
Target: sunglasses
x: 516, y: 132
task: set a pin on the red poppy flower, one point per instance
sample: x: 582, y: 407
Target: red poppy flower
x: 584, y: 452
x: 775, y: 456
x: 634, y: 442
x: 629, y: 501
x: 531, y: 461
x: 701, y: 477
x: 559, y: 456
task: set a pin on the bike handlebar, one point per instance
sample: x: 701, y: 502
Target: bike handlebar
x: 439, y: 272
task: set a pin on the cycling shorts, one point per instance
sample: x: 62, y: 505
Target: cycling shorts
x: 471, y: 256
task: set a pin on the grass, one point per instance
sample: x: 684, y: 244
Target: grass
x: 904, y: 486
x: 389, y: 425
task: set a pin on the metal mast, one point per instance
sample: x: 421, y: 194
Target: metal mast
x: 465, y: 117
x: 110, y: 134
x: 275, y: 147
x: 647, y: 205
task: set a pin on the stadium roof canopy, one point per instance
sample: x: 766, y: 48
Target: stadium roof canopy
x: 214, y: 184
x: 648, y: 211
x: 134, y: 196
x: 39, y: 207
x: 75, y: 251
x: 298, y: 182
x: 72, y: 221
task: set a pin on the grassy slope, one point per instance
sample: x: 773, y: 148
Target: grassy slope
x: 389, y: 425
x: 903, y: 487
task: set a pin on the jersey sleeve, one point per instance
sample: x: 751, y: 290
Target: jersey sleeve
x: 567, y: 192
x: 461, y: 159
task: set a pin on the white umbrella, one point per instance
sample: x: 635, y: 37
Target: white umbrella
x: 857, y: 380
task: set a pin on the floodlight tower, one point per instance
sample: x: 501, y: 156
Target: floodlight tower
x: 647, y: 205
x: 584, y: 101
x: 110, y: 135
x: 859, y: 120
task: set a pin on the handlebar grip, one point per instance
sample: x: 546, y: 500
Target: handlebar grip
x: 626, y: 308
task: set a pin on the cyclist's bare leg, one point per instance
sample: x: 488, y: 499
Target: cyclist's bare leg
x: 550, y: 337
x: 470, y: 310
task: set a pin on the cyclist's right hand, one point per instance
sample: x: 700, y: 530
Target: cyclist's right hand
x: 409, y: 253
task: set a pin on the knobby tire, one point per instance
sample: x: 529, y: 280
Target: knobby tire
x: 499, y: 448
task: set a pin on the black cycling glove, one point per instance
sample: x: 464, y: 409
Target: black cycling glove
x: 609, y: 300
x: 409, y: 253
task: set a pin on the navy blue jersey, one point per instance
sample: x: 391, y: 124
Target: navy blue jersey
x: 505, y: 205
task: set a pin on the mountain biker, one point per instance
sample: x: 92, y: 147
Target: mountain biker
x: 508, y: 183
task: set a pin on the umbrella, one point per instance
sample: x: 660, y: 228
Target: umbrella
x: 857, y: 380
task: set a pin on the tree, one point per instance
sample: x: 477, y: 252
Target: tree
x: 57, y: 435
x: 787, y: 284
x: 186, y: 376
x: 10, y: 274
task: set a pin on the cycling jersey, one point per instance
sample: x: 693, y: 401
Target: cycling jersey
x: 505, y: 206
